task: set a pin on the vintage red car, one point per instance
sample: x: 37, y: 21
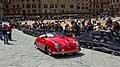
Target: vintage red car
x: 56, y: 44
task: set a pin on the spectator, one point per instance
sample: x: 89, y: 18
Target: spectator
x: 98, y: 27
x: 10, y: 31
x: 5, y: 33
x: 109, y: 23
x: 83, y: 23
x: 1, y: 32
x: 67, y: 29
x: 115, y: 29
x: 89, y: 26
x: 76, y: 29
x: 58, y: 27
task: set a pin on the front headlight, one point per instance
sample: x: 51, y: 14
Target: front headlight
x: 77, y: 43
x: 57, y: 46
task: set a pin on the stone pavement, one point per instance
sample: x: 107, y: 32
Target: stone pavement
x: 21, y: 53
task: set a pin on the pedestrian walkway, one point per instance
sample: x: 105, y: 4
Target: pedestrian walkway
x: 21, y: 53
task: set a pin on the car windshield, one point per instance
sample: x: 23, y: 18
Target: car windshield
x: 53, y: 34
x: 50, y: 35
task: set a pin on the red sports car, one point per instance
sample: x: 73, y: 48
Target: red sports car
x: 55, y: 44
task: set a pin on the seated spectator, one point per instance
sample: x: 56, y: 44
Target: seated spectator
x: 67, y: 29
x: 98, y: 27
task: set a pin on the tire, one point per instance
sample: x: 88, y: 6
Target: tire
x: 48, y: 51
x: 35, y: 44
x: 75, y: 53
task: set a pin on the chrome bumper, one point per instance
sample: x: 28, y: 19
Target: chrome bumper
x: 66, y: 52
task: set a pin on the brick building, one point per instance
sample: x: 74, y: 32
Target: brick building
x: 115, y: 7
x: 46, y: 7
x: 1, y: 9
x: 19, y: 8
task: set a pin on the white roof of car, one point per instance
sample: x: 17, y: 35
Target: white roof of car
x: 48, y: 35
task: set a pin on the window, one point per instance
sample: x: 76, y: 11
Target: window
x: 71, y: 6
x: 39, y: 11
x: 6, y: 6
x: 78, y: 7
x: 62, y: 6
x: 27, y: 0
x: 28, y: 6
x: 7, y: 11
x: 45, y: 11
x: 23, y: 5
x: 34, y: 11
x: 28, y: 11
x: 33, y: 5
x: 8, y: 1
x: 23, y: 11
x: 54, y: 11
x: 18, y: 12
x: 67, y: 11
x: 45, y: 6
x: 63, y: 11
x: 55, y: 5
x: 82, y: 3
x: 14, y: 11
x: 82, y: 7
x: 39, y: 5
x: 86, y: 7
x: 13, y: 0
x: 13, y: 6
x: 33, y: 0
x: 51, y: 5
x: 18, y: 6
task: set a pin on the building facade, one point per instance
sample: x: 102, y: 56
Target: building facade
x: 115, y: 7
x: 1, y: 9
x: 95, y: 6
x: 46, y: 7
x: 18, y: 8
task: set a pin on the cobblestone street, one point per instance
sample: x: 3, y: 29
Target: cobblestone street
x: 21, y: 53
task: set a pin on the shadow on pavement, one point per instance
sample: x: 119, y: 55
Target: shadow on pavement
x: 69, y: 56
x: 65, y: 56
x: 10, y: 44
x: 13, y: 40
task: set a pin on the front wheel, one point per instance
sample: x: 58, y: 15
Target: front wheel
x: 48, y: 50
x: 35, y: 44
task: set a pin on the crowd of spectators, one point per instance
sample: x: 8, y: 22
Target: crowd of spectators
x: 75, y: 27
x: 6, y: 32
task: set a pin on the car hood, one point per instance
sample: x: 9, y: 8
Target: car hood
x: 63, y: 41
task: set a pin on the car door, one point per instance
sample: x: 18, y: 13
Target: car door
x: 42, y: 43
